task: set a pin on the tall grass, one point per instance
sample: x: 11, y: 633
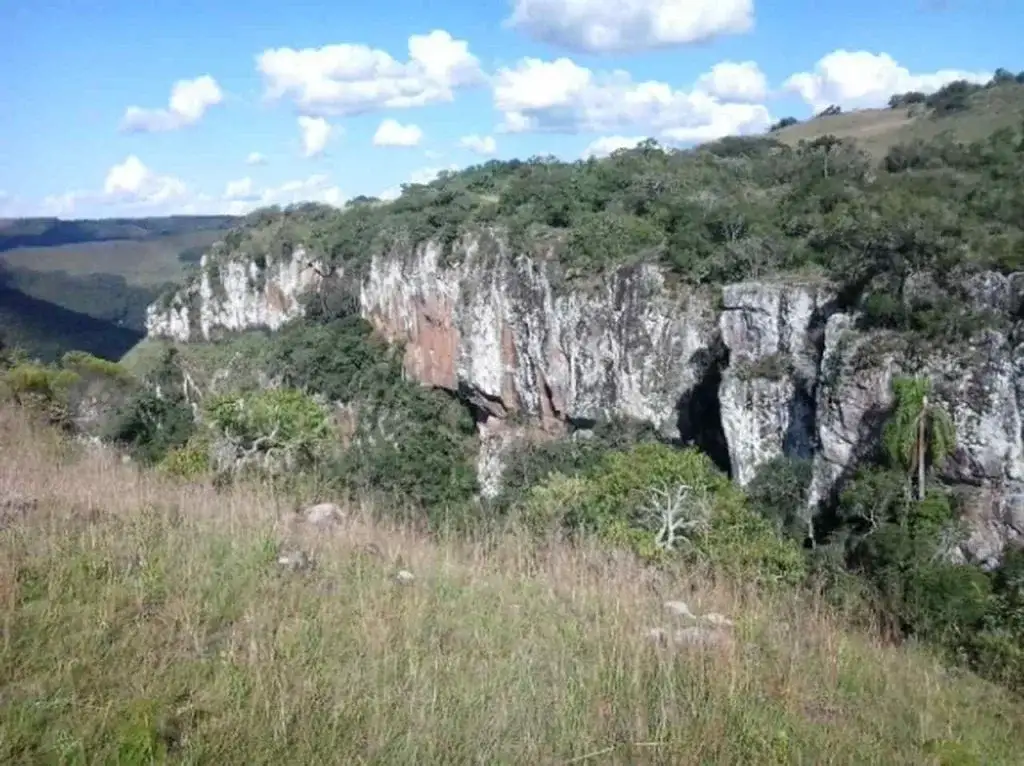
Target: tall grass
x: 145, y: 621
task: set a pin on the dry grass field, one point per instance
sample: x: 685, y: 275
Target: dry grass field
x: 148, y: 621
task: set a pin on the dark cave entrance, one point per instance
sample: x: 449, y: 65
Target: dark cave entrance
x: 699, y: 410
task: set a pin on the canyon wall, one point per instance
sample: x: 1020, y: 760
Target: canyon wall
x: 750, y: 372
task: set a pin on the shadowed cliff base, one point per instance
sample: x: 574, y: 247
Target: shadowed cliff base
x: 700, y: 409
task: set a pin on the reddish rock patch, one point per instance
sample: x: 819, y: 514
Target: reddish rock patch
x: 431, y: 340
x: 275, y: 297
x: 509, y: 361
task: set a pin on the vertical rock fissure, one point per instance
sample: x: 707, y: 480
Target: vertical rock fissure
x: 699, y: 410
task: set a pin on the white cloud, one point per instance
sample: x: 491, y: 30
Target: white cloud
x: 316, y: 188
x: 131, y: 182
x: 731, y: 81
x: 602, y: 147
x: 393, y: 133
x: 561, y: 96
x: 348, y: 78
x: 255, y: 158
x: 604, y: 26
x: 418, y: 176
x: 242, y: 196
x: 483, y: 145
x: 860, y: 79
x: 242, y: 189
x: 316, y: 132
x: 129, y: 185
x: 130, y: 188
x: 188, y: 103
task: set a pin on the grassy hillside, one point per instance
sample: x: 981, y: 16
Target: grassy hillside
x: 974, y: 115
x: 147, y: 621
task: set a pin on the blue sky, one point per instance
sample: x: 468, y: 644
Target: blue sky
x: 90, y: 127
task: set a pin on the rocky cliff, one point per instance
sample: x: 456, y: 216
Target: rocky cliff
x: 760, y: 369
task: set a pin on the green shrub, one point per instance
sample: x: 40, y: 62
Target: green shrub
x: 189, y: 461
x: 414, y: 444
x: 41, y: 389
x: 148, y: 426
x: 620, y: 499
x: 277, y: 431
x: 778, y: 492
x: 529, y: 463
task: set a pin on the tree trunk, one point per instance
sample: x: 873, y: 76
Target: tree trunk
x: 921, y: 422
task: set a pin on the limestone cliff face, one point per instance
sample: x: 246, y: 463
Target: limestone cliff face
x: 768, y: 389
x: 772, y: 368
x: 234, y: 295
x: 494, y: 326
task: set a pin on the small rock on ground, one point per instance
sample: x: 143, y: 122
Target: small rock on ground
x: 404, y: 577
x: 692, y: 637
x: 323, y: 515
x: 294, y: 560
x: 718, y: 620
x: 680, y: 609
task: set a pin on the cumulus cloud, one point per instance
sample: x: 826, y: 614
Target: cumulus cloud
x: 600, y: 26
x: 255, y: 158
x: 133, y: 183
x: 393, y: 133
x: 131, y: 188
x: 418, y: 176
x: 482, y: 145
x: 861, y: 79
x: 606, y: 145
x: 242, y: 196
x: 242, y: 189
x: 347, y: 78
x: 189, y: 101
x: 742, y: 82
x: 129, y: 185
x: 316, y: 132
x: 561, y: 96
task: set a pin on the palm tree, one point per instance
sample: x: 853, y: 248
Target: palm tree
x: 919, y: 429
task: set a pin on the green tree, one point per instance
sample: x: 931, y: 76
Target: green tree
x: 919, y: 429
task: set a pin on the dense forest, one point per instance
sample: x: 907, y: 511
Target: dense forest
x: 322, y: 408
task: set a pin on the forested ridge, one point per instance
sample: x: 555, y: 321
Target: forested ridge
x: 734, y: 209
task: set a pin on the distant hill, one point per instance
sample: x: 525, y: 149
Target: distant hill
x: 50, y: 232
x: 963, y: 112
x: 86, y: 284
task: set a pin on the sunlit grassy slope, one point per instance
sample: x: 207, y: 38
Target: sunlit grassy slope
x: 877, y: 130
x: 145, y: 621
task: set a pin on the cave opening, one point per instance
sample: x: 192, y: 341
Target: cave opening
x: 699, y: 411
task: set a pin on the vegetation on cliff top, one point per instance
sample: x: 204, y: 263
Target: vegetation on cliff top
x: 734, y: 209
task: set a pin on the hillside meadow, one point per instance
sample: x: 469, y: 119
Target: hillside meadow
x: 146, y: 620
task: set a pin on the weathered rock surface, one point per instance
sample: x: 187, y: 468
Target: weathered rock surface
x: 236, y: 295
x: 775, y: 369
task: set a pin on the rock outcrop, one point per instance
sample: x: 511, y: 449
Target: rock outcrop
x: 771, y: 368
x: 234, y: 295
